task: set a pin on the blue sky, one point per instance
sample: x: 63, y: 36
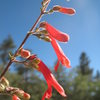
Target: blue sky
x: 17, y: 17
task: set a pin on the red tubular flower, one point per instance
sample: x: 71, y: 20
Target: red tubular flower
x: 58, y: 35
x: 64, y: 10
x: 51, y: 81
x: 14, y: 97
x: 61, y: 56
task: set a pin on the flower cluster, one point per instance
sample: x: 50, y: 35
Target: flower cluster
x: 48, y: 33
x: 34, y: 62
x: 16, y: 93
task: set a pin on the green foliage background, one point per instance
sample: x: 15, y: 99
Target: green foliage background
x: 79, y: 83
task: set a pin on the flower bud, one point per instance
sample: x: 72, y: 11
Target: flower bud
x: 32, y: 64
x: 45, y: 2
x: 2, y: 87
x: 46, y: 38
x: 36, y: 61
x: 37, y: 30
x: 24, y: 53
x: 4, y: 81
x: 43, y: 32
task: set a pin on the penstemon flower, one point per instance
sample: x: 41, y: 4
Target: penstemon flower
x: 51, y: 81
x: 50, y: 34
x: 62, y: 37
x: 64, y: 10
x: 58, y: 35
